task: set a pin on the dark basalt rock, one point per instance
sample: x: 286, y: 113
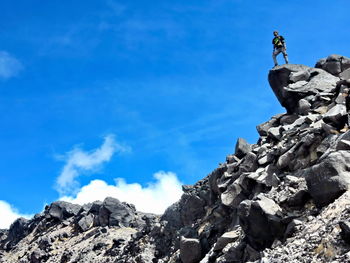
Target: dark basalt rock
x: 345, y: 231
x: 190, y: 250
x: 61, y: 210
x: 334, y: 64
x: 289, y: 90
x: 285, y: 198
x: 242, y: 148
x: 115, y: 213
x: 86, y: 222
x: 261, y: 220
x: 330, y: 178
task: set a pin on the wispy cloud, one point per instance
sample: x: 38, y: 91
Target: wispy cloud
x: 8, y: 215
x: 9, y: 65
x: 155, y: 197
x: 79, y: 162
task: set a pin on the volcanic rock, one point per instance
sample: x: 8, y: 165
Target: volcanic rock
x: 289, y: 89
x: 285, y: 198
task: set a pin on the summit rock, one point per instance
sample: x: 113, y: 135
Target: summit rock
x: 292, y: 83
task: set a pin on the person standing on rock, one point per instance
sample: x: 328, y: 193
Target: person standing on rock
x: 279, y: 46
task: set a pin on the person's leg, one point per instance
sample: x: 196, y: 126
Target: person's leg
x: 285, y: 55
x: 274, y: 55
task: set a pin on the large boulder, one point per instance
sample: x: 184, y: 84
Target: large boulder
x: 172, y: 216
x: 330, y: 178
x: 115, y: 213
x: 61, y: 210
x: 261, y: 220
x: 190, y: 250
x: 291, y: 83
x: 213, y: 177
x: 232, y: 196
x: 334, y: 64
x: 191, y: 208
x: 336, y: 116
x: 86, y: 222
x: 242, y: 148
x: 227, y: 238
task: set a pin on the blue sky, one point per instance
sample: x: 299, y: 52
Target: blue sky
x: 152, y: 92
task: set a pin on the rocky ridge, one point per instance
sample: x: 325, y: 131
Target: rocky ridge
x: 284, y: 199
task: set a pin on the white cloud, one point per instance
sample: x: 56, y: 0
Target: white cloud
x: 8, y: 215
x: 154, y: 198
x: 79, y: 161
x: 9, y: 66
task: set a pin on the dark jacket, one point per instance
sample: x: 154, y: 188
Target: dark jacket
x: 278, y: 42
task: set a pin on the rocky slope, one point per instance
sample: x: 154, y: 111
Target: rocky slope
x: 284, y: 199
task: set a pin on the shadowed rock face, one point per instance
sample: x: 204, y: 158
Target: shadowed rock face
x: 285, y: 198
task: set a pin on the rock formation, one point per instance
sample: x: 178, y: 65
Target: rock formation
x: 284, y: 199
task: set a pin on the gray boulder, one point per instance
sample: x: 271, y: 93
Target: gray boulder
x: 303, y: 107
x: 264, y: 177
x: 172, y: 216
x: 343, y: 145
x: 242, y: 148
x: 62, y: 210
x: 227, y: 238
x: 335, y: 114
x: 275, y: 133
x: 261, y: 221
x: 288, y: 119
x: 264, y: 127
x: 190, y: 250
x: 345, y: 74
x: 213, y: 177
x: 330, y: 178
x: 249, y: 163
x: 232, y: 196
x: 334, y: 64
x: 115, y: 213
x: 191, y: 208
x: 302, y: 75
x: 312, y: 82
x: 86, y: 222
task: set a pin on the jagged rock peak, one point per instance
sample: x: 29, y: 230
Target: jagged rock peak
x: 300, y: 87
x: 285, y: 198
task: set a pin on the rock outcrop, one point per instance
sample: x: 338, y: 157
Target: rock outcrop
x: 285, y: 198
